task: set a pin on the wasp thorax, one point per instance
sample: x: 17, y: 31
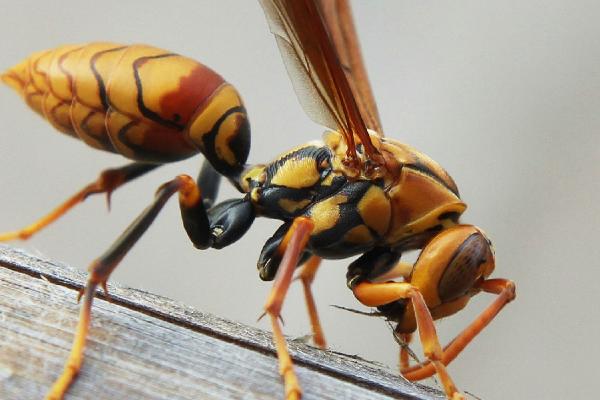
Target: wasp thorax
x: 354, y: 164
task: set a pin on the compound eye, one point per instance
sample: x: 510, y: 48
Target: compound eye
x: 489, y: 242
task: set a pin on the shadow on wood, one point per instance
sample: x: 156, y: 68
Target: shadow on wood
x: 143, y: 346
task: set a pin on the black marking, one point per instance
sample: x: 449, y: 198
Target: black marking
x: 395, y: 310
x: 450, y: 215
x: 141, y: 153
x: 271, y: 254
x: 122, y: 135
x: 66, y: 72
x: 270, y: 197
x: 240, y: 146
x: 418, y: 240
x: 317, y: 153
x: 209, y: 181
x: 371, y: 265
x: 423, y: 169
x: 99, y: 81
x: 103, y: 139
x: 331, y: 243
x: 146, y: 112
x: 229, y: 221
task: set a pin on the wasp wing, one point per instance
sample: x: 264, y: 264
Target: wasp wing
x: 337, y: 15
x: 315, y: 70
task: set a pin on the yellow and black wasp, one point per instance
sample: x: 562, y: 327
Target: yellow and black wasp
x: 354, y: 193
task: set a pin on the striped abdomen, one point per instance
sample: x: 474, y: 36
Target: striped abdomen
x: 142, y: 102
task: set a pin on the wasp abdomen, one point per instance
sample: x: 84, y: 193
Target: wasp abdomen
x: 145, y: 103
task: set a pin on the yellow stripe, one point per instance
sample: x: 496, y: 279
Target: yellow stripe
x: 375, y: 209
x: 297, y: 173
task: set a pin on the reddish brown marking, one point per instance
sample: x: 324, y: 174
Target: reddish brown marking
x: 168, y: 142
x: 192, y: 92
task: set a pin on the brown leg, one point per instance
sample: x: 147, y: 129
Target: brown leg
x: 376, y: 294
x: 75, y: 360
x: 107, y: 182
x: 405, y: 354
x: 505, y: 290
x: 307, y: 276
x: 101, y: 268
x: 401, y: 270
x: 294, y: 243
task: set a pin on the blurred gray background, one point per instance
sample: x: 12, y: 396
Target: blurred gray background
x: 504, y: 95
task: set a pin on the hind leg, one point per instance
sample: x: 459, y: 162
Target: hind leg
x: 307, y: 276
x: 232, y: 220
x: 107, y: 182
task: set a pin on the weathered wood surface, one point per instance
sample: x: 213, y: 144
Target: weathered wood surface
x: 143, y: 346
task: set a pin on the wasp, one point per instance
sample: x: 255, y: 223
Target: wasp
x: 355, y: 193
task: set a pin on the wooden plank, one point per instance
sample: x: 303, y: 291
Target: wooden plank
x: 143, y: 346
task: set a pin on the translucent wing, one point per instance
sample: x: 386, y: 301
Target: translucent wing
x: 316, y: 72
x: 337, y: 15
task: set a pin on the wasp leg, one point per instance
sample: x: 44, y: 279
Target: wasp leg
x: 307, y: 276
x: 377, y: 294
x: 405, y: 354
x: 505, y: 289
x: 293, y: 245
x: 75, y: 360
x: 268, y: 264
x: 107, y: 182
x: 101, y: 268
x: 400, y: 270
x: 209, y: 181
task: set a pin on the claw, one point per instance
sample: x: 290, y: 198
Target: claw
x: 80, y: 294
x: 261, y: 316
x: 105, y: 289
x: 108, y: 198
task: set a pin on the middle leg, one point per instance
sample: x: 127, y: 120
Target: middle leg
x: 307, y: 276
x: 108, y: 181
x: 292, y: 246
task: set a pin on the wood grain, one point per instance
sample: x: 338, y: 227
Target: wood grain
x: 143, y: 346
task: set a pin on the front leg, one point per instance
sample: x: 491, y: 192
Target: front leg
x: 291, y: 247
x: 268, y: 264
